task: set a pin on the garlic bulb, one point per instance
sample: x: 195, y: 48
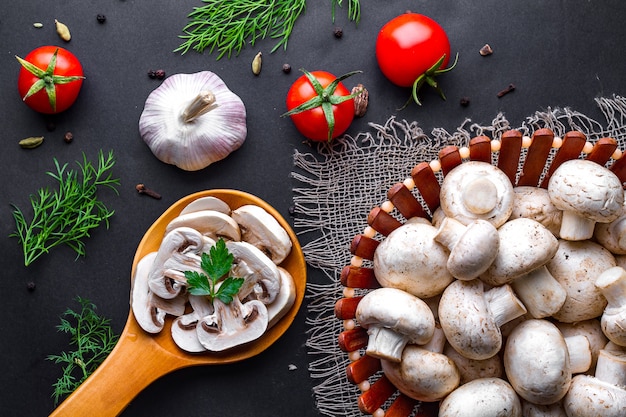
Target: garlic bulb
x: 193, y: 120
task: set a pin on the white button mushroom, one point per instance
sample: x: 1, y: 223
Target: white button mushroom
x: 471, y: 318
x: 538, y: 362
x: 536, y: 410
x: 603, y: 395
x: 587, y: 193
x: 410, y: 259
x: 394, y: 318
x: 612, y: 283
x: 471, y: 369
x: 534, y: 203
x: 484, y: 397
x: 592, y: 330
x: 477, y: 190
x: 525, y: 247
x: 423, y: 373
x: 576, y: 266
x: 472, y: 248
x: 612, y: 235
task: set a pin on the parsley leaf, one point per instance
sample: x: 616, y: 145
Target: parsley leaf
x: 217, y: 264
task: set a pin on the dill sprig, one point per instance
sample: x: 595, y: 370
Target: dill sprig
x: 94, y: 339
x: 67, y: 215
x: 227, y: 25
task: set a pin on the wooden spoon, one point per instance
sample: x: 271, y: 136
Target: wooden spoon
x: 140, y: 358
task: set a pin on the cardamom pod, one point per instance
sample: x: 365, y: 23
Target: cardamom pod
x: 38, y: 25
x: 31, y: 142
x: 256, y: 64
x: 63, y: 31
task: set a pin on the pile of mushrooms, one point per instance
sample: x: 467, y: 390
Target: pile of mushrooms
x: 511, y: 301
x: 258, y: 243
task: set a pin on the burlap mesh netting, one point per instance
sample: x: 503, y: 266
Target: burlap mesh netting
x: 339, y: 183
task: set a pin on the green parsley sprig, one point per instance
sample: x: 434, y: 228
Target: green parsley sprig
x: 67, y: 215
x: 227, y: 25
x: 93, y: 338
x: 217, y: 264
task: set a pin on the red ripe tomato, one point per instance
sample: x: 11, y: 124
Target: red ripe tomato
x: 316, y: 101
x: 412, y: 48
x: 50, y: 79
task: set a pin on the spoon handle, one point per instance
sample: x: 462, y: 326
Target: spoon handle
x: 136, y: 361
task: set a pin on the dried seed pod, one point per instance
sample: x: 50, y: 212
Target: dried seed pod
x: 256, y: 63
x: 63, y: 31
x: 31, y: 142
x: 361, y: 100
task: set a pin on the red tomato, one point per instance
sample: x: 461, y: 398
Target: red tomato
x: 50, y: 89
x: 409, y: 46
x: 313, y: 123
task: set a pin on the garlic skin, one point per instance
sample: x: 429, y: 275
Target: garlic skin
x: 183, y: 130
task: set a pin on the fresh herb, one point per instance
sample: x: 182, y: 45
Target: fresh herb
x: 94, y: 339
x: 217, y: 264
x: 67, y: 215
x: 227, y: 25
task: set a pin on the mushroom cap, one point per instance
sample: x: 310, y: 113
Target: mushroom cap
x: 536, y: 410
x: 534, y: 203
x: 473, y: 250
x: 410, y: 259
x: 589, y: 396
x: 477, y: 190
x: 422, y: 375
x: 471, y: 369
x: 612, y: 284
x: 537, y: 362
x: 407, y: 316
x: 525, y: 245
x: 207, y: 203
x: 483, y: 397
x: 587, y: 188
x: 210, y: 223
x: 467, y: 322
x: 576, y: 265
x: 612, y: 235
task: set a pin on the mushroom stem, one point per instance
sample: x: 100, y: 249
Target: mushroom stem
x: 576, y: 227
x: 611, y: 367
x: 540, y: 292
x: 612, y: 284
x: 503, y: 304
x: 201, y: 104
x: 480, y: 195
x: 579, y: 350
x: 383, y: 339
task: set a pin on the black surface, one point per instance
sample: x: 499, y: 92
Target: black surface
x: 557, y: 53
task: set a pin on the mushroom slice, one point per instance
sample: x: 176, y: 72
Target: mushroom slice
x: 262, y: 278
x: 149, y: 317
x: 206, y: 203
x: 261, y: 229
x: 284, y: 300
x: 211, y: 223
x: 183, y: 329
x: 394, y: 318
x: 179, y: 252
x: 232, y: 324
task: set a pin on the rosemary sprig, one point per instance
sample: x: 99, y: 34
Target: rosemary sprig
x: 227, y: 25
x: 94, y: 339
x: 67, y: 215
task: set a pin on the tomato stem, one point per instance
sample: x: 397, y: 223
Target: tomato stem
x: 429, y: 77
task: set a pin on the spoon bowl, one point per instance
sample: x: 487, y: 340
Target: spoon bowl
x: 141, y: 358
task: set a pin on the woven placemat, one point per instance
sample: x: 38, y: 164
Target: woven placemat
x: 340, y: 182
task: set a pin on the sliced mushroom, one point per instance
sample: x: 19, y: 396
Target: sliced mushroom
x: 179, y: 251
x: 150, y: 318
x: 587, y: 193
x: 206, y: 203
x: 471, y: 318
x: 183, y: 328
x: 285, y: 299
x: 211, y: 223
x: 484, y: 397
x: 262, y: 277
x: 410, y: 259
x: 477, y: 190
x: 232, y: 324
x: 262, y: 230
x: 394, y: 318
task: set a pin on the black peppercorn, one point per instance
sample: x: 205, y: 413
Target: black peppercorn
x: 152, y: 74
x: 160, y: 74
x: 338, y: 32
x: 286, y: 68
x: 30, y: 286
x: 465, y: 101
x: 101, y: 18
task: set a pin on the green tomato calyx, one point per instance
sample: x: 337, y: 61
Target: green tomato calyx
x: 325, y: 98
x: 429, y: 77
x: 47, y: 79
